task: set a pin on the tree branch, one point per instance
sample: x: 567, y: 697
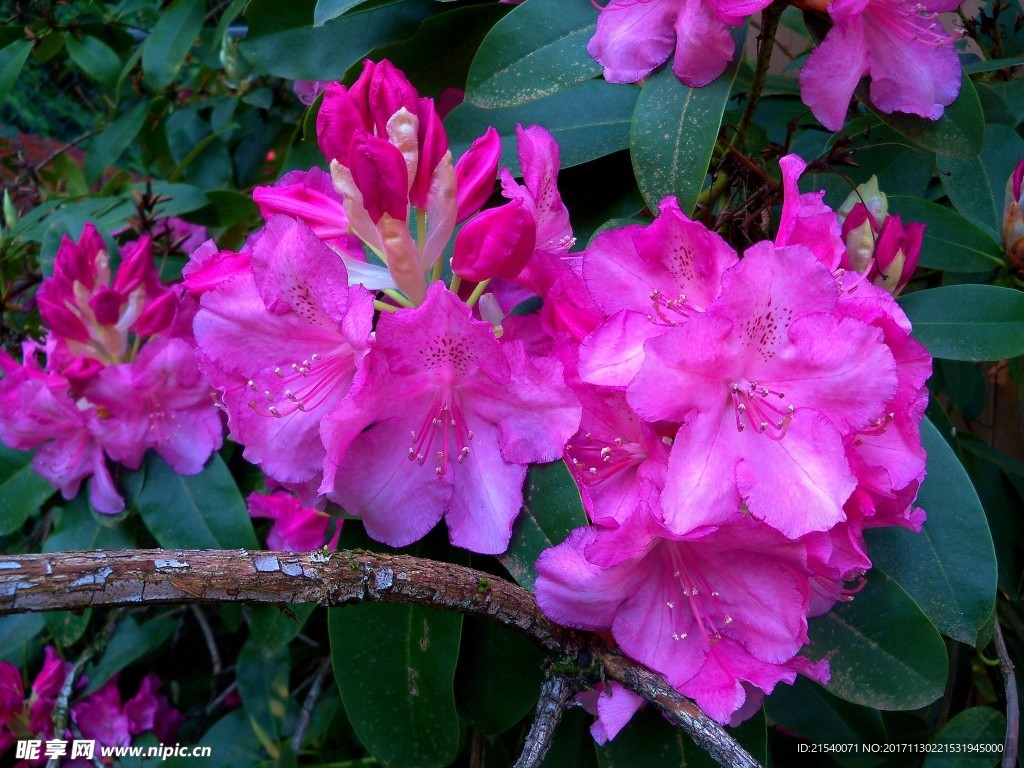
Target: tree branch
x: 1012, y: 705
x: 73, y: 580
x: 555, y: 693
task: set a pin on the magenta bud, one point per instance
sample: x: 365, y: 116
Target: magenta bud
x: 336, y: 122
x: 387, y: 90
x: 857, y: 216
x: 896, y: 252
x: 77, y: 261
x: 321, y: 213
x: 475, y: 174
x: 61, y: 320
x: 136, y: 266
x: 106, y: 305
x: 81, y: 370
x: 433, y: 143
x: 380, y: 173
x: 1016, y: 180
x: 157, y: 315
x: 495, y: 243
x: 1013, y: 220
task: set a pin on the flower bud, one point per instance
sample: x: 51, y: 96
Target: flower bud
x: 897, y: 252
x: 78, y: 262
x: 384, y: 90
x: 106, y: 305
x: 1013, y: 220
x: 496, y: 243
x: 379, y: 172
x: 137, y: 267
x: 157, y: 315
x: 433, y: 144
x: 337, y: 121
x: 476, y: 172
x: 59, y: 319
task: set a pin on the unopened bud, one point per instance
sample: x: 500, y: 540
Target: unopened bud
x: 495, y: 243
x: 1013, y: 220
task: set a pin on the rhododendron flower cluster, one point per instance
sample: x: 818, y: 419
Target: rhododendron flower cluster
x: 101, y: 716
x: 350, y: 371
x: 900, y: 44
x: 114, y: 375
x: 295, y: 528
x: 745, y: 419
x: 1013, y: 218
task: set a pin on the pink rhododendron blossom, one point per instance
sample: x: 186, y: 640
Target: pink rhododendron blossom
x: 1013, y: 218
x: 613, y: 705
x: 444, y: 425
x: 765, y: 382
x: 119, y: 377
x: 900, y: 44
x: 103, y: 717
x: 718, y: 615
x: 635, y: 36
x: 296, y: 528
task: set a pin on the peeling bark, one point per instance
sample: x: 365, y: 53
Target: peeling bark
x: 78, y: 580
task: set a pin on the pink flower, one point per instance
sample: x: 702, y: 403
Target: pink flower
x: 613, y: 705
x: 720, y: 616
x: 296, y: 528
x: 102, y: 716
x: 444, y: 425
x: 282, y: 341
x: 805, y: 219
x: 900, y: 44
x: 766, y: 383
x: 1013, y: 219
x: 635, y: 36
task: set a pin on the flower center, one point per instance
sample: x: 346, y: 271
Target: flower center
x: 598, y: 458
x: 668, y: 312
x: 753, y: 404
x: 909, y: 22
x: 701, y: 599
x: 301, y: 386
x: 444, y: 432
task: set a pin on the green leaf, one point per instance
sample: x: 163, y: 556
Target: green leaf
x: 270, y: 627
x: 993, y: 65
x: 109, y: 145
x: 395, y: 669
x: 17, y: 635
x: 282, y: 42
x: 951, y: 242
x: 12, y: 59
x: 883, y: 652
x: 968, y: 322
x: 588, y: 120
x: 263, y: 686
x: 949, y: 568
x: 498, y: 677
x: 981, y: 727
x: 650, y: 741
x: 552, y: 508
x: 809, y: 711
x: 168, y: 44
x: 194, y: 511
x: 538, y: 49
x: 233, y: 743
x: 976, y: 184
x: 96, y: 59
x: 673, y: 135
x: 22, y: 491
x: 330, y: 9
x: 958, y: 133
x: 130, y: 643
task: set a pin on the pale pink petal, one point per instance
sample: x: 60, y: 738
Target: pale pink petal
x: 704, y: 45
x: 832, y: 71
x: 633, y: 38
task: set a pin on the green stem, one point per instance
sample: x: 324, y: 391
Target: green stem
x: 710, y: 195
x: 398, y: 297
x: 769, y: 26
x: 382, y: 307
x: 478, y: 292
x: 455, y: 284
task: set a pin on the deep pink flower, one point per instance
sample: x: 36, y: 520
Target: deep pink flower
x: 296, y: 528
x: 444, y: 425
x: 900, y: 44
x: 1013, y: 218
x: 718, y: 615
x: 100, y: 716
x: 766, y: 382
x: 805, y: 219
x: 282, y: 342
x: 148, y: 710
x: 635, y: 36
x: 613, y: 705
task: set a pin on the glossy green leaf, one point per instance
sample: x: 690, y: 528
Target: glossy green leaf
x: 131, y: 641
x: 810, y: 712
x: 270, y: 627
x: 951, y: 242
x: 191, y: 511
x: 395, y: 668
x: 168, y: 44
x: 976, y: 184
x: 588, y: 120
x: 330, y: 9
x: 17, y: 635
x: 882, y: 651
x: 968, y: 322
x: 552, y: 508
x: 673, y: 135
x: 949, y: 568
x: 281, y: 41
x: 12, y: 59
x: 958, y: 133
x: 263, y: 686
x: 109, y: 145
x: 231, y: 740
x: 95, y: 58
x: 993, y: 65
x: 982, y: 728
x: 22, y: 491
x: 499, y: 676
x: 538, y: 49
